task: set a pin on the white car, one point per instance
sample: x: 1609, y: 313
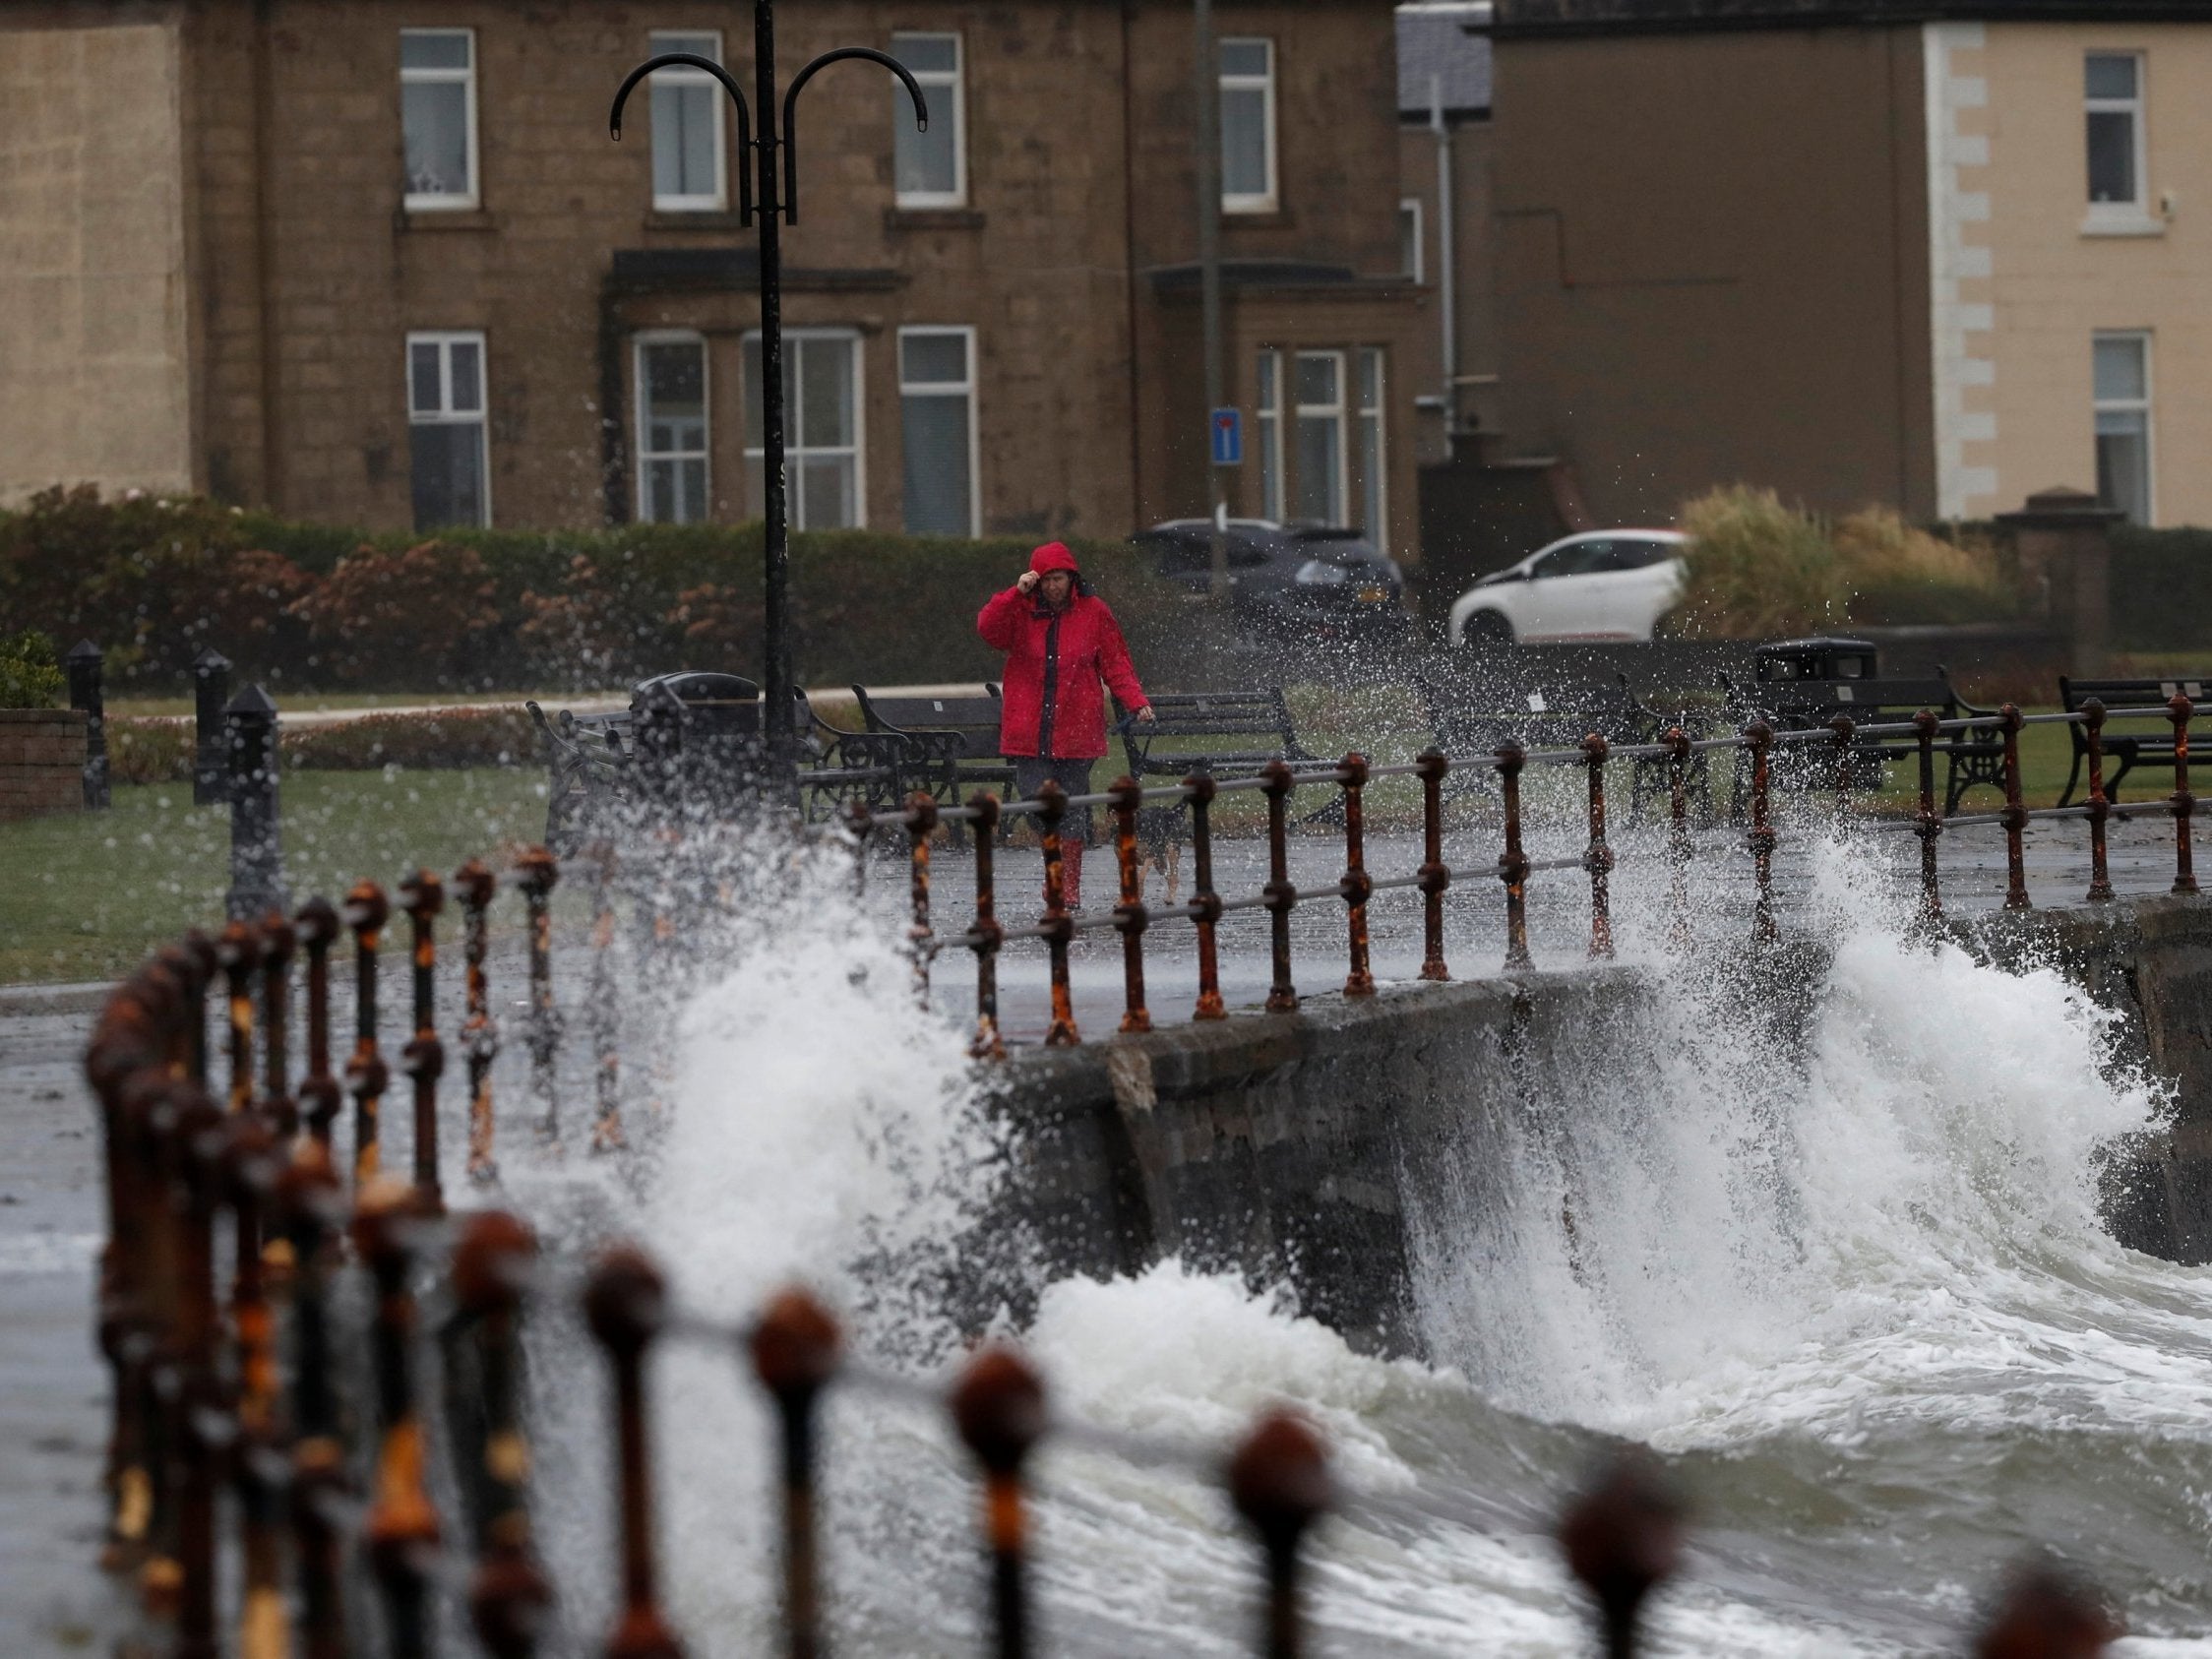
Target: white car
x: 1606, y: 585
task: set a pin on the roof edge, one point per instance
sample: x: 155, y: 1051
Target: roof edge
x: 1529, y: 19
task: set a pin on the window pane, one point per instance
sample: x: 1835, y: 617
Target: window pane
x: 422, y: 379
x: 2109, y: 75
x: 436, y: 117
x: 1409, y: 241
x: 660, y: 492
x: 825, y: 393
x: 676, y: 394
x: 1244, y: 57
x: 932, y: 359
x: 936, y: 465
x: 2112, y: 156
x: 1371, y: 478
x: 467, y: 377
x: 683, y: 141
x: 437, y: 49
x: 1267, y: 393
x: 1371, y: 379
x: 2118, y: 374
x: 447, y: 461
x: 1316, y: 377
x: 927, y: 163
x: 1244, y: 142
x: 825, y: 494
x: 926, y: 54
x: 1321, y: 485
x: 2123, y: 478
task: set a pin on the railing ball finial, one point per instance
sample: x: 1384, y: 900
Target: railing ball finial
x: 1279, y: 1482
x: 1623, y: 1537
x: 2046, y: 1613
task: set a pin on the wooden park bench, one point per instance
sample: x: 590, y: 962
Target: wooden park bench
x: 1221, y: 734
x: 1971, y: 757
x: 952, y: 741
x: 2137, y: 743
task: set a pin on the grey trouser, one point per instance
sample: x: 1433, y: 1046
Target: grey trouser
x: 1029, y: 775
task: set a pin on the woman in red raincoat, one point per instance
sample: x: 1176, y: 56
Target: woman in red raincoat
x: 1061, y: 640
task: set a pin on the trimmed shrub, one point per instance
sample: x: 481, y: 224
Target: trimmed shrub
x: 144, y: 750
x: 313, y: 607
x: 30, y: 677
x: 2162, y: 589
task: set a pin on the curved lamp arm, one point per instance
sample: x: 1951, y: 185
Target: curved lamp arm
x: 668, y: 60
x: 790, y: 102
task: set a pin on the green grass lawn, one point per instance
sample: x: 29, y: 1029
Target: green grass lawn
x: 87, y: 894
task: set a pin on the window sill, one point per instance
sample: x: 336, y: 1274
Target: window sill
x: 932, y: 218
x: 705, y: 218
x: 1257, y: 217
x: 445, y: 218
x: 2122, y: 224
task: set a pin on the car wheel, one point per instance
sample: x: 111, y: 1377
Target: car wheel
x: 1486, y: 629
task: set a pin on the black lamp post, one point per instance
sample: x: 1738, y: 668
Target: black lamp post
x: 779, y: 205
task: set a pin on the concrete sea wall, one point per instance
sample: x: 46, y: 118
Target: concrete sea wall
x: 1305, y: 1147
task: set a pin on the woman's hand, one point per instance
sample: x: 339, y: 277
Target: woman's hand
x: 1144, y: 715
x: 1028, y: 582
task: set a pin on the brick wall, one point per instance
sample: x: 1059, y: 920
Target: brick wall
x: 42, y: 762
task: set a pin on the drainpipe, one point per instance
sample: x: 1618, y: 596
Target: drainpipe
x: 1447, y: 307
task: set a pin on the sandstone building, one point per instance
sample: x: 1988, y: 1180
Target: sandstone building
x: 379, y: 263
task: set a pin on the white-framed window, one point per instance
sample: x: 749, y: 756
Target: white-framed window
x: 936, y: 417
x: 1248, y: 126
x: 824, y: 439
x: 688, y: 171
x: 1375, y: 490
x: 671, y: 380
x: 1318, y: 384
x: 1268, y: 399
x: 2121, y: 387
x: 2113, y: 87
x: 447, y: 456
x: 930, y: 167
x: 1410, y: 259
x: 438, y: 117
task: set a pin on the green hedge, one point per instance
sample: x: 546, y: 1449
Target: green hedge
x: 308, y: 606
x: 2162, y: 589
x: 30, y: 677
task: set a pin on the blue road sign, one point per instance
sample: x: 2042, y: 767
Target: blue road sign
x: 1227, y: 427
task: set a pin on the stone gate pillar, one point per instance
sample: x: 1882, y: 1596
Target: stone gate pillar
x: 2065, y: 541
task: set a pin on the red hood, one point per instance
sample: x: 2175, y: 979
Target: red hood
x: 1052, y: 556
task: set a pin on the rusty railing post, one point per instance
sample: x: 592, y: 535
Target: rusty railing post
x: 479, y: 1036
x: 921, y: 824
x: 1282, y: 994
x: 252, y: 1162
x: 2099, y: 804
x: 535, y: 873
x: 422, y: 896
x: 201, y: 949
x: 1929, y: 822
x: 795, y: 1352
x: 1761, y: 837
x: 999, y: 1407
x: 602, y: 1012
x: 1053, y: 806
x: 367, y: 1074
x: 1677, y: 742
x: 2015, y: 812
x: 402, y: 1528
x: 625, y: 1304
x: 1132, y: 919
x: 509, y: 1594
x: 277, y: 943
x: 320, y: 1095
x: 2046, y: 1613
x: 188, y: 1585
x: 2178, y: 709
x: 1431, y: 766
x: 123, y: 1057
x: 1622, y: 1538
x: 1597, y: 858
x: 1205, y: 903
x: 860, y: 825
x: 989, y: 934
x: 238, y: 954
x: 1512, y: 863
x: 307, y: 1205
x: 1279, y: 1480
x: 1357, y: 887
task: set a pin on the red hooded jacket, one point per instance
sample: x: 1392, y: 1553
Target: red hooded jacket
x: 1054, y: 705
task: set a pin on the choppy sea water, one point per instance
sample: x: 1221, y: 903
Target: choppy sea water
x: 1857, y: 1297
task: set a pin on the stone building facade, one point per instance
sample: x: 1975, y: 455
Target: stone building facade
x: 410, y: 280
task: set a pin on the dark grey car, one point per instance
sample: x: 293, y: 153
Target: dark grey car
x: 1294, y: 584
